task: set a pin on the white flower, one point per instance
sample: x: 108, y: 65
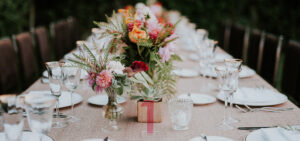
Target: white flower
x: 116, y: 66
x: 142, y: 11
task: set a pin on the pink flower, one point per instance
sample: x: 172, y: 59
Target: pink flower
x: 173, y: 36
x: 154, y: 33
x: 164, y: 54
x: 153, y: 25
x: 92, y: 78
x: 103, y: 80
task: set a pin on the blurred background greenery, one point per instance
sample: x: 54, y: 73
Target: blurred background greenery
x: 274, y: 16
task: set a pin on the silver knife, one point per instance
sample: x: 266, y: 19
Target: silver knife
x: 255, y: 128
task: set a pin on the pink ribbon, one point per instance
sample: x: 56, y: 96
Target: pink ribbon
x: 149, y: 104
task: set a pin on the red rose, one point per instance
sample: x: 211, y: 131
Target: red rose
x: 138, y: 66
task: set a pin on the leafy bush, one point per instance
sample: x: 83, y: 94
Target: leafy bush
x: 275, y: 16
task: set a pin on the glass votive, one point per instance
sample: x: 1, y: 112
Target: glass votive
x: 180, y: 110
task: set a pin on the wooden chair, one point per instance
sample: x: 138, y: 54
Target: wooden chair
x: 224, y: 28
x: 236, y: 41
x: 73, y: 28
x: 269, y: 56
x: 27, y: 57
x: 255, y: 40
x: 291, y: 71
x: 9, y: 75
x: 60, y: 33
x: 42, y: 40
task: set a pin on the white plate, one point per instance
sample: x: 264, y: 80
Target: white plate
x: 256, y: 97
x: 95, y: 140
x: 258, y: 135
x: 83, y: 74
x: 199, y: 98
x: 245, y: 73
x: 65, y: 98
x: 211, y: 138
x: 186, y: 72
x: 102, y: 99
x: 27, y: 136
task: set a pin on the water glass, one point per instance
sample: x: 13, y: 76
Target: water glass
x: 12, y: 118
x: 39, y: 109
x: 180, y: 110
x: 71, y: 79
x: 55, y: 78
x: 228, y: 83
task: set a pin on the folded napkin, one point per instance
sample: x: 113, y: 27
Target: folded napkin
x: 254, y: 95
x: 279, y: 134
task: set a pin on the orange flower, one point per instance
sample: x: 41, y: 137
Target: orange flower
x: 137, y: 34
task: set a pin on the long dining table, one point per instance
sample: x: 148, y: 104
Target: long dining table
x: 204, y: 117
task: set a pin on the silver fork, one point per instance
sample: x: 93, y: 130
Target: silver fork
x: 266, y: 109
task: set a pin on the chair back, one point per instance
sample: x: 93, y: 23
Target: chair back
x: 42, y: 40
x: 61, y: 38
x: 236, y: 41
x: 269, y: 58
x: 291, y: 71
x: 9, y: 75
x: 224, y: 36
x: 253, y: 48
x: 27, y: 58
x: 74, y: 31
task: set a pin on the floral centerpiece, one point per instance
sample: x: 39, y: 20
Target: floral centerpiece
x: 109, y: 74
x: 135, y: 34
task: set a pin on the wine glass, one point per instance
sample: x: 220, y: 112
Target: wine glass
x: 206, y: 61
x: 55, y: 77
x: 12, y: 118
x: 39, y: 108
x: 228, y: 80
x: 237, y: 65
x: 71, y: 79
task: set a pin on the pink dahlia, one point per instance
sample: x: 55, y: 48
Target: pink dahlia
x: 104, y: 79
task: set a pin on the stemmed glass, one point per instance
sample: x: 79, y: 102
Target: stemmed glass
x: 39, y: 108
x: 228, y: 83
x: 237, y: 65
x: 12, y: 118
x: 71, y: 79
x: 206, y: 54
x: 55, y: 77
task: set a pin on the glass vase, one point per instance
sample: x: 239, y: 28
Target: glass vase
x: 112, y: 111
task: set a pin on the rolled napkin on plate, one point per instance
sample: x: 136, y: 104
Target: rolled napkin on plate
x: 280, y: 134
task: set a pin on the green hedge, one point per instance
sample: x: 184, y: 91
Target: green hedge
x: 275, y: 16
